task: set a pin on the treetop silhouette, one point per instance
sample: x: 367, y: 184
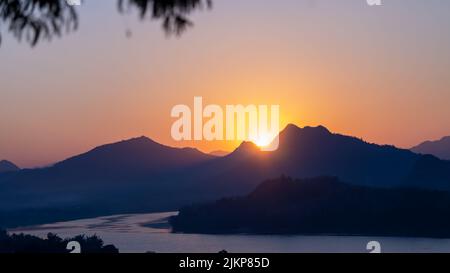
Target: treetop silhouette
x: 36, y: 20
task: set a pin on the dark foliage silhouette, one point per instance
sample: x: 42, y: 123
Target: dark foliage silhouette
x: 322, y: 205
x: 35, y: 20
x: 173, y: 13
x: 21, y: 243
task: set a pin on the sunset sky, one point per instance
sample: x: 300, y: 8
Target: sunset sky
x: 380, y: 73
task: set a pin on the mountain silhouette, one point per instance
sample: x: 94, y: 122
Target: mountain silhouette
x: 133, y: 175
x: 7, y: 166
x: 141, y: 175
x: 315, y: 151
x: 322, y: 205
x: 133, y: 157
x: 439, y: 148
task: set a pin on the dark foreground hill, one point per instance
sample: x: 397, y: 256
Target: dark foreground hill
x: 322, y: 205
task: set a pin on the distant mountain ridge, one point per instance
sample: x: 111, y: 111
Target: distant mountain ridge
x: 439, y: 148
x: 8, y: 166
x: 136, y: 155
x: 141, y: 175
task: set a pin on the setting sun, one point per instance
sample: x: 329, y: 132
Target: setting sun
x: 263, y: 140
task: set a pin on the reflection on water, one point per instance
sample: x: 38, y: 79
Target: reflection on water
x: 150, y: 232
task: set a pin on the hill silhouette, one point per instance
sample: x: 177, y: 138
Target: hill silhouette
x: 140, y: 175
x: 439, y: 148
x: 7, y: 166
x: 314, y: 151
x: 132, y: 175
x: 322, y: 205
x: 135, y: 157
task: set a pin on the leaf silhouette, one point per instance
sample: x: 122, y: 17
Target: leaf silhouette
x: 45, y: 19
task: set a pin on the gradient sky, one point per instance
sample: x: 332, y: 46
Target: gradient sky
x: 380, y: 73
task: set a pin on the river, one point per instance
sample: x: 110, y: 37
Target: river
x: 139, y: 233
